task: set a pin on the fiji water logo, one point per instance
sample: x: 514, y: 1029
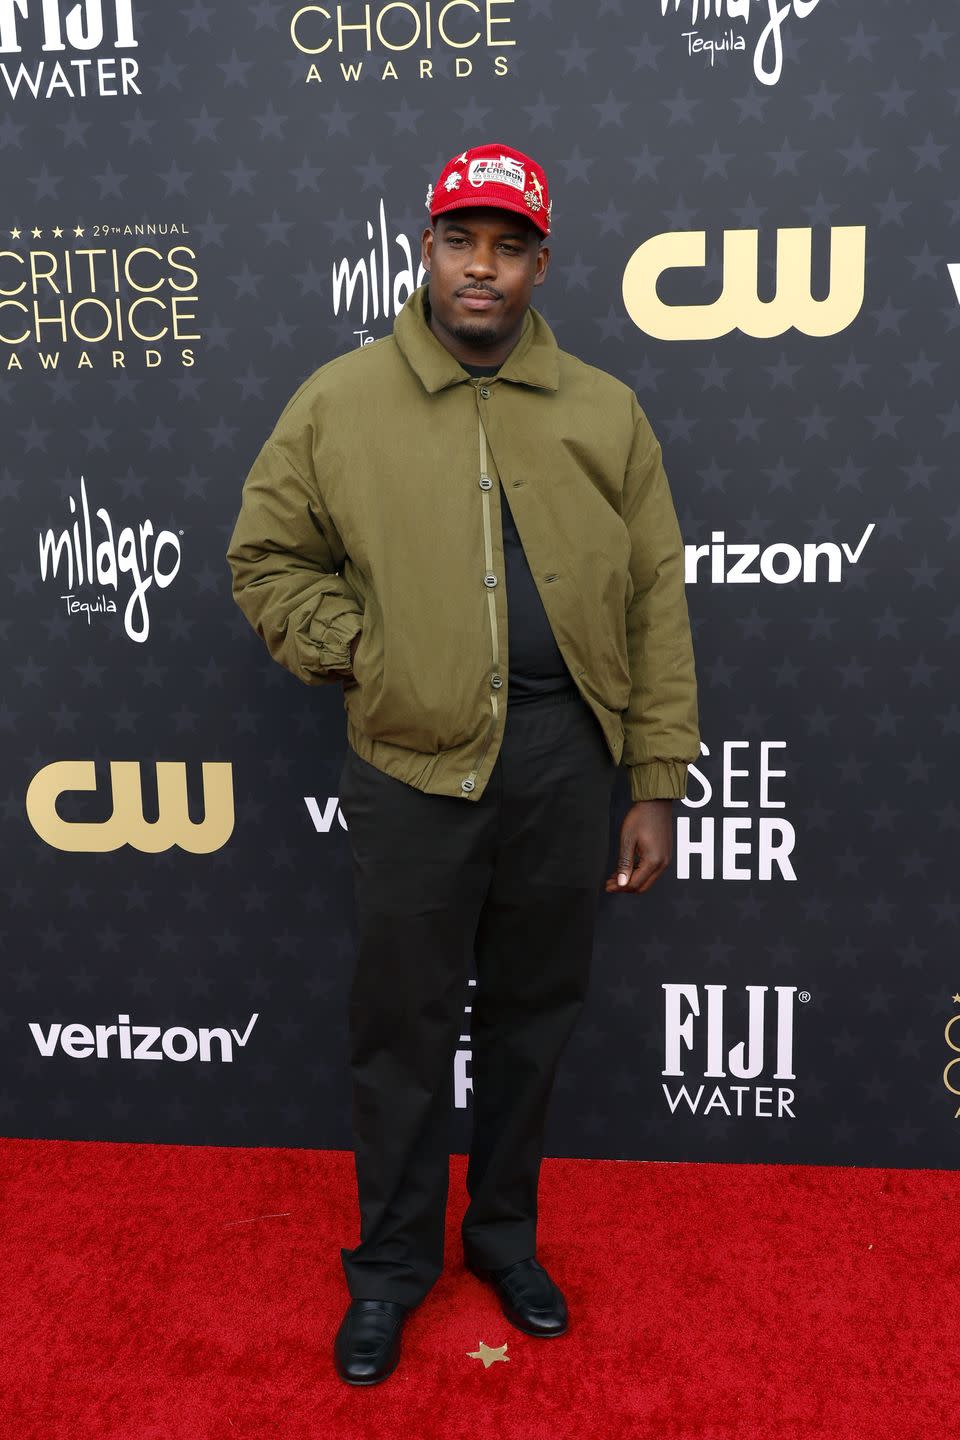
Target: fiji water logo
x: 733, y: 1079
x: 92, y: 554
x: 76, y: 32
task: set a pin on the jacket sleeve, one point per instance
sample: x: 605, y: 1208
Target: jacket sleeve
x: 661, y: 722
x: 285, y: 556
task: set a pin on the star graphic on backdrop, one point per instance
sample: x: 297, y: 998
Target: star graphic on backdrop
x: 932, y: 39
x: 405, y: 118
x: 234, y: 69
x: 138, y: 128
x: 575, y: 56
x: 681, y: 108
x: 715, y: 162
x: 74, y: 131
x: 645, y: 54
x: 488, y: 1354
x: 894, y: 98
x: 204, y: 126
x: 785, y: 158
x: 891, y: 210
x: 473, y: 116
x: 168, y: 73
x: 858, y: 45
x: 823, y: 102
x: 751, y: 106
x: 929, y: 153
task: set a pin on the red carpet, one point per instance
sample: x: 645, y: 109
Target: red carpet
x: 180, y: 1293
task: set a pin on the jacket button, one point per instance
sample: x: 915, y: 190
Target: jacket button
x: 466, y: 784
x: 485, y: 482
x: 489, y: 580
x: 496, y: 681
x: 485, y: 391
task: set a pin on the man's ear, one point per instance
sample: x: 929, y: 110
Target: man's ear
x: 543, y: 260
x: 426, y: 247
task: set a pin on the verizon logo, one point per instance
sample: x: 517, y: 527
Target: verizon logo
x: 124, y: 1041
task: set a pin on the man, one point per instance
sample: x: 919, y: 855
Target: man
x: 410, y: 493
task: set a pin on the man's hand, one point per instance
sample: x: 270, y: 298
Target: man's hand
x: 348, y: 677
x: 647, y: 833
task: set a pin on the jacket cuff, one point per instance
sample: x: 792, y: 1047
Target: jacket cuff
x: 326, y: 641
x: 658, y: 780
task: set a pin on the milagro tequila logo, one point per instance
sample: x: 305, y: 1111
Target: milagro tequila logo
x: 55, y: 27
x: 91, y: 554
x: 377, y: 283
x: 768, y: 50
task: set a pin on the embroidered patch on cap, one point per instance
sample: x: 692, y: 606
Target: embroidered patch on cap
x: 501, y: 171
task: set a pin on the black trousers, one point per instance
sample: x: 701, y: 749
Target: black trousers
x: 513, y: 882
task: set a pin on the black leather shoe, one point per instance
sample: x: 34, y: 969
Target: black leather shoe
x: 528, y: 1297
x: 367, y: 1347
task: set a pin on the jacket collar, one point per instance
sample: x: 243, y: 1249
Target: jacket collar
x: 534, y: 360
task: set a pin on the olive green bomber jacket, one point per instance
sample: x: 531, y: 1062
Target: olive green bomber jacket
x: 374, y: 506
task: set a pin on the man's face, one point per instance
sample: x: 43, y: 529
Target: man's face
x: 483, y: 265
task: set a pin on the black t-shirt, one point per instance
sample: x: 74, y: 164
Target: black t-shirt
x: 536, y: 664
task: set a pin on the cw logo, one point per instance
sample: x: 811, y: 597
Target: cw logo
x: 126, y: 825
x: 739, y: 307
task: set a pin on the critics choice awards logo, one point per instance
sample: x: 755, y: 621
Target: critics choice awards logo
x: 767, y: 43
x: 100, y: 302
x: 51, y: 49
x: 339, y: 40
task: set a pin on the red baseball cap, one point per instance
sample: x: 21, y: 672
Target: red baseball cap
x: 495, y: 175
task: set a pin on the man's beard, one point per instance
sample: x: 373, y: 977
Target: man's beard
x: 475, y: 333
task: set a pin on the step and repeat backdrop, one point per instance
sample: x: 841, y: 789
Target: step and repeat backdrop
x: 757, y: 226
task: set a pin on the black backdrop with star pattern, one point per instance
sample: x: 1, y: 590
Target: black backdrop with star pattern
x: 195, y: 214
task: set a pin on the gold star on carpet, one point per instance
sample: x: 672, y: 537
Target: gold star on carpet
x: 956, y: 999
x: 488, y: 1355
